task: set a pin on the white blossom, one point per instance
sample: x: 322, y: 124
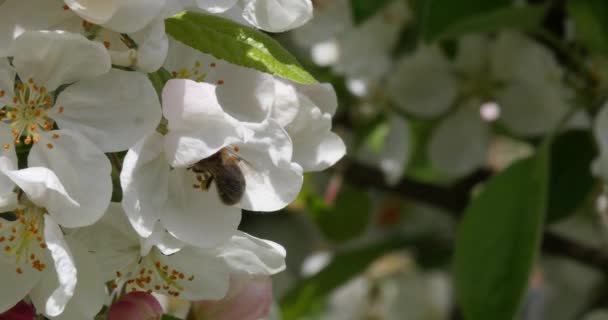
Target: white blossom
x: 181, y: 199
x: 188, y: 273
x: 132, y: 31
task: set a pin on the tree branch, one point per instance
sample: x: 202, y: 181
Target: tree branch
x: 455, y: 198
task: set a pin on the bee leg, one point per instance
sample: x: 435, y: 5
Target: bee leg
x: 207, y: 182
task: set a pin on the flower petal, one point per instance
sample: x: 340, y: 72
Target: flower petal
x: 84, y: 172
x: 7, y: 82
x: 134, y: 15
x: 144, y: 180
x: 15, y: 288
x: 97, y: 12
x: 272, y: 180
x: 57, y: 287
x: 216, y: 6
x: 414, y: 85
x: 114, y: 110
x: 112, y: 240
x: 530, y: 108
x: 60, y: 58
x: 210, y: 277
x: 198, y: 127
x: 277, y: 15
x: 249, y: 255
x: 256, y: 89
x: 459, y: 144
x: 90, y: 292
x: 197, y: 217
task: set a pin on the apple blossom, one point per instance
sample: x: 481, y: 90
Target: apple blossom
x: 132, y: 31
x: 162, y: 265
x: 137, y: 306
x: 175, y: 195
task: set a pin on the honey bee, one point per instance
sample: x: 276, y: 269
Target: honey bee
x: 223, y: 168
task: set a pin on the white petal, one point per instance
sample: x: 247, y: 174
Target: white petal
x: 90, y: 292
x: 63, y: 284
x: 59, y: 58
x: 197, y: 217
x: 42, y: 187
x: 7, y: 82
x: 277, y: 15
x: 145, y: 181
x: 286, y: 102
x: 114, y: 110
x: 94, y: 11
x: 165, y: 242
x: 17, y: 16
x: 112, y: 241
x: 459, y: 144
x: 315, y: 146
x: 134, y: 15
x: 272, y: 180
x: 8, y: 161
x: 16, y: 286
x: 516, y: 57
x: 82, y: 169
x: 198, y: 127
x: 255, y: 88
x: 153, y: 45
x: 423, y: 84
x: 249, y: 255
x: 322, y: 95
x: 530, y: 108
x: 216, y: 6
x: 210, y: 276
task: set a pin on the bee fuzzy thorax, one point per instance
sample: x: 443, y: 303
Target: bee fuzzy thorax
x: 223, y: 169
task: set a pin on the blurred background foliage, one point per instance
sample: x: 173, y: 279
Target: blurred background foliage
x: 473, y: 185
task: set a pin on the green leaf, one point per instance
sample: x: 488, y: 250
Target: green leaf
x: 440, y: 15
x: 347, y: 218
x: 364, y: 9
x: 591, y: 24
x: 498, y: 240
x: 159, y: 78
x: 169, y: 317
x: 524, y: 18
x: 235, y: 43
x: 571, y: 180
x: 311, y: 292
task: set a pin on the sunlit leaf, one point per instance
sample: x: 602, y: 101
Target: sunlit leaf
x: 498, y: 240
x: 235, y: 43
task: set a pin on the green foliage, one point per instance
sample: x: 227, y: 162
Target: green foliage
x: 571, y: 180
x: 447, y: 19
x: 347, y: 218
x: 364, y: 9
x: 498, y: 240
x: 591, y: 24
x: 311, y: 292
x: 169, y: 317
x: 525, y: 18
x: 235, y: 43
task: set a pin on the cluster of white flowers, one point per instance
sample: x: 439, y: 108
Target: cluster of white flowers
x: 507, y: 78
x: 216, y: 139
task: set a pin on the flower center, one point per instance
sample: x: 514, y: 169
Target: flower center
x: 28, y: 112
x: 151, y: 275
x: 22, y: 241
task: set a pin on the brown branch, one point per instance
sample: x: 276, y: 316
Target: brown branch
x: 455, y: 198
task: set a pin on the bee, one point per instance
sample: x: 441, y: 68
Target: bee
x: 223, y: 167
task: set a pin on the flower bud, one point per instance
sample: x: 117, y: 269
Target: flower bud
x: 136, y: 306
x: 21, y: 311
x: 247, y: 299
